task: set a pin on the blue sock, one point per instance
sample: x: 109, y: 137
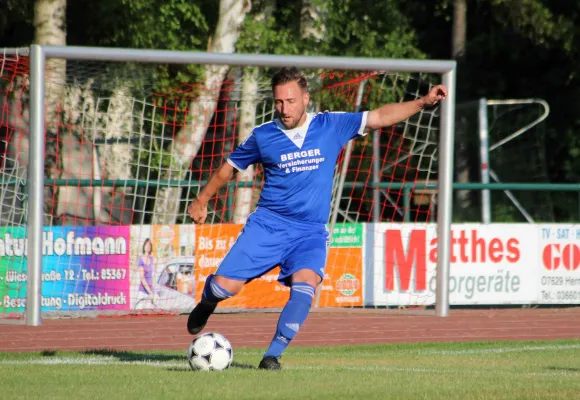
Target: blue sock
x: 213, y: 292
x: 292, y: 317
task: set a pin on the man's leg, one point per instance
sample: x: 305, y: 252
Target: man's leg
x: 253, y: 254
x: 303, y: 287
x: 216, y: 289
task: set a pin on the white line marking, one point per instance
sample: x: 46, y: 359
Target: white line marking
x: 490, y: 350
x: 108, y: 361
x: 430, y: 370
x: 504, y: 350
x: 93, y: 361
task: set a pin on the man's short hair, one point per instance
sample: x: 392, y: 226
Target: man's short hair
x: 286, y: 75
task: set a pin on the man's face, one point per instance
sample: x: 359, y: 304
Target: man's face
x: 291, y: 102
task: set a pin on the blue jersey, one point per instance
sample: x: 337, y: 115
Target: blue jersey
x: 299, y: 163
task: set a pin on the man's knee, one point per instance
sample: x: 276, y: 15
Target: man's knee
x: 307, y: 276
x: 231, y: 285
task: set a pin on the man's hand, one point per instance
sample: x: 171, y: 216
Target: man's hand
x: 391, y: 114
x: 197, y: 211
x: 436, y: 94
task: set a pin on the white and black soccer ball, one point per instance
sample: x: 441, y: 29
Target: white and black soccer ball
x: 210, y: 351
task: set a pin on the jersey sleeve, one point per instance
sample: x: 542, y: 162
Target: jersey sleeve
x: 246, y: 154
x: 349, y: 125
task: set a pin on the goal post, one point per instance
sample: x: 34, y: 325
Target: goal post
x: 40, y: 56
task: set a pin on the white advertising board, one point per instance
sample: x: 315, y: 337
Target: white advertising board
x: 490, y: 264
x: 558, y: 258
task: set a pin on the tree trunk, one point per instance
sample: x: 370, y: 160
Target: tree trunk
x: 459, y: 28
x: 12, y: 210
x: 246, y: 195
x: 114, y: 159
x: 312, y: 29
x: 462, y: 156
x: 187, y: 143
x: 310, y: 20
x: 244, y: 192
x: 50, y: 29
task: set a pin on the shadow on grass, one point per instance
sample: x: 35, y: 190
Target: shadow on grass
x: 121, y: 355
x: 243, y: 366
x: 234, y: 365
x: 131, y: 356
x: 566, y: 369
x: 185, y: 368
x: 128, y: 356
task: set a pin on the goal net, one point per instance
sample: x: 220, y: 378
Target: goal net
x: 514, y: 148
x: 129, y: 145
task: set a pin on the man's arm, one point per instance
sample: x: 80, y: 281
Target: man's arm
x: 223, y: 175
x: 391, y: 114
x: 198, y: 207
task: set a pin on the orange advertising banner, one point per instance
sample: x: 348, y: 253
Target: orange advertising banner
x: 342, y: 284
x: 341, y: 287
x: 213, y: 243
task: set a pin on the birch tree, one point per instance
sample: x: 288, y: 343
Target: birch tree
x: 50, y: 29
x: 187, y: 142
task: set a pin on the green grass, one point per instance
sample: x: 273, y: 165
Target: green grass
x: 495, y: 370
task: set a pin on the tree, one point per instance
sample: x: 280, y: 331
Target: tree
x: 311, y: 21
x: 50, y: 29
x: 245, y: 191
x: 459, y: 38
x: 146, y: 24
x: 187, y: 143
x: 260, y: 29
x: 462, y: 159
x: 508, y: 42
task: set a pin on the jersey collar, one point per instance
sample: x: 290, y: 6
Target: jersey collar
x: 296, y: 135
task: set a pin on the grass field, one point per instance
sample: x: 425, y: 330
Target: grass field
x: 494, y: 370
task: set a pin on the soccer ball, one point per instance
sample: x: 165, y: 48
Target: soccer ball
x: 210, y: 351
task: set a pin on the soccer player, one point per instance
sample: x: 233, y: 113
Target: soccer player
x: 298, y: 151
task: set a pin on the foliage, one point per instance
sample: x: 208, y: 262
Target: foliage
x: 143, y: 24
x: 538, y: 21
x: 16, y: 23
x: 515, y: 48
x: 369, y: 29
x: 262, y: 33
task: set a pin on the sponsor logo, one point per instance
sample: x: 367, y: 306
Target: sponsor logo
x: 347, y: 284
x: 558, y: 255
x: 300, y: 161
x: 296, y: 155
x: 282, y: 339
x: 396, y: 259
x: 165, y: 234
x: 407, y: 259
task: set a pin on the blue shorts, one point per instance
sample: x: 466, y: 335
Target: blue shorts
x: 268, y: 240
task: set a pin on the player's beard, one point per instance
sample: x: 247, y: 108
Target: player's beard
x: 292, y: 123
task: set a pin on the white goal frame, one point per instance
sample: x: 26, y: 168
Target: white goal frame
x: 39, y: 54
